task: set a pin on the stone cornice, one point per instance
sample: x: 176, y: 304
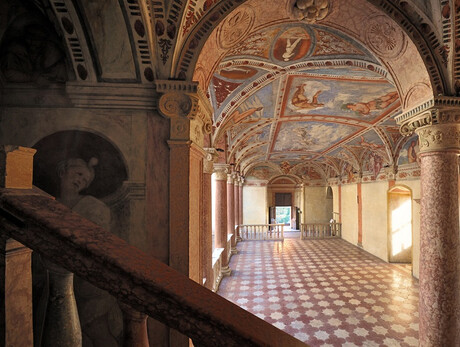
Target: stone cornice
x: 439, y: 110
x: 112, y: 95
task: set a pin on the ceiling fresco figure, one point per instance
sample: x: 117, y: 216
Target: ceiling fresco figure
x: 301, y: 101
x: 365, y: 108
x: 292, y: 45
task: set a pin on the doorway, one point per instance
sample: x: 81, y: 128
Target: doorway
x: 400, y: 225
x: 283, y: 214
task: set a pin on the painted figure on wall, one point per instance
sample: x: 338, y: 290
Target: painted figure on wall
x: 381, y: 103
x: 292, y: 45
x: 76, y: 175
x: 100, y: 316
x: 412, y: 151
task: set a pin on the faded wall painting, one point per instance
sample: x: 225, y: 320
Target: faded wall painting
x: 409, y: 152
x: 81, y: 169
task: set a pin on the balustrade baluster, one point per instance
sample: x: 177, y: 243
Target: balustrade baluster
x: 62, y: 325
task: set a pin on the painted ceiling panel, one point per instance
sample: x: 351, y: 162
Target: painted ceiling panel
x: 310, y: 136
x: 359, y: 99
x: 293, y: 94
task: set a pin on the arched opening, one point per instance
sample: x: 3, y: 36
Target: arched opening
x: 400, y: 225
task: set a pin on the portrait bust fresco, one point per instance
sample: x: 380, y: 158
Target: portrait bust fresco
x: 79, y: 169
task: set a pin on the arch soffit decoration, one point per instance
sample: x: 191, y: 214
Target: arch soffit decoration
x: 418, y: 89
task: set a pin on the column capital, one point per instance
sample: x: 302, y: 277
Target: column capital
x: 221, y: 171
x: 187, y: 107
x: 208, y: 161
x: 439, y: 110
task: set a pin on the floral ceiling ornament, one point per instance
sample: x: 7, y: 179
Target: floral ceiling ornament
x: 310, y: 11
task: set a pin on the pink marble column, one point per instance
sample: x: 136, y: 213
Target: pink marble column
x: 240, y: 205
x: 439, y: 250
x: 231, y: 209
x: 206, y: 254
x: 221, y: 214
x: 236, y: 193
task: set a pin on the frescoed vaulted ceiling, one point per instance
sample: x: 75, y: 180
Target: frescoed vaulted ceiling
x: 305, y: 99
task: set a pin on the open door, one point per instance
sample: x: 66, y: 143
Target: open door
x: 400, y: 225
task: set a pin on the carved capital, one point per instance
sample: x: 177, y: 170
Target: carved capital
x: 439, y: 137
x: 439, y: 110
x: 175, y: 104
x: 208, y: 161
x: 221, y: 171
x: 187, y: 107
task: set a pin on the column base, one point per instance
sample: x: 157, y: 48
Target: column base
x: 226, y: 271
x: 234, y: 250
x: 239, y: 239
x: 360, y: 245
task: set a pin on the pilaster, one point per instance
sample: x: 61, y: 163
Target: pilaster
x: 190, y: 114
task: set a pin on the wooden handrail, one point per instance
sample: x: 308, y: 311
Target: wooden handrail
x: 141, y: 281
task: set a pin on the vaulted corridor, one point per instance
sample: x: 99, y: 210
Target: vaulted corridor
x: 325, y: 292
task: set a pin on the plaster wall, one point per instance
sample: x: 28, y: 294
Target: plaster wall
x: 315, y: 205
x: 255, y: 208
x: 375, y: 215
x: 414, y: 186
x: 350, y: 213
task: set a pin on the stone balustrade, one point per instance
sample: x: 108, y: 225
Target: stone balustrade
x: 320, y: 230
x: 261, y: 231
x: 132, y: 277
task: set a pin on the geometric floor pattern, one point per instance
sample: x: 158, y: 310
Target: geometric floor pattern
x: 325, y: 292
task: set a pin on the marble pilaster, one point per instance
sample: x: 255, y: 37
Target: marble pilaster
x: 189, y: 114
x: 16, y: 328
x: 437, y: 123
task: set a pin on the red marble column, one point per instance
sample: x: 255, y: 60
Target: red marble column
x: 221, y: 214
x: 231, y: 209
x: 439, y: 250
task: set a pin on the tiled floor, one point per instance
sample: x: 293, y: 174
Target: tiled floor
x: 325, y: 292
